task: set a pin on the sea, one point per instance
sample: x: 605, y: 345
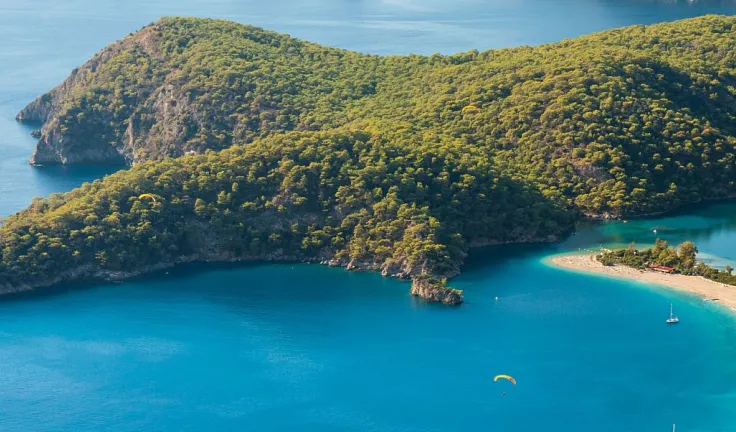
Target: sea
x: 292, y: 347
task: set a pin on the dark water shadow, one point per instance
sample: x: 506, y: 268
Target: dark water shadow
x: 54, y: 176
x: 178, y: 272
x: 53, y: 291
x: 490, y: 257
x: 232, y: 282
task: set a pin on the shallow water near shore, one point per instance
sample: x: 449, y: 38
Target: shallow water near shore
x: 305, y: 347
x: 234, y: 348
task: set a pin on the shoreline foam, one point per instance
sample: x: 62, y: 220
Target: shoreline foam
x: 707, y: 289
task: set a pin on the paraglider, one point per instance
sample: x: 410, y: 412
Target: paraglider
x: 146, y: 195
x: 470, y: 109
x: 506, y: 377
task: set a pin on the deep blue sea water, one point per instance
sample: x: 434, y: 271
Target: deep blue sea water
x: 308, y: 348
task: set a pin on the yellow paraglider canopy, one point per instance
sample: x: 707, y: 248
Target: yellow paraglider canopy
x: 147, y: 196
x: 470, y: 109
x: 507, y: 377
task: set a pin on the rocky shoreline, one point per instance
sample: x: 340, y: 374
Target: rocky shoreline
x: 435, y: 291
x: 429, y: 288
x: 421, y: 287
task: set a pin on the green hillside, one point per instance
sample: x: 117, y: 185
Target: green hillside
x: 393, y: 163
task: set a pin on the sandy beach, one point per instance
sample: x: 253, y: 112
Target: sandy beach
x: 709, y: 290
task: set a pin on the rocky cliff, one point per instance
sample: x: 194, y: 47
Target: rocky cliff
x: 78, y: 125
x: 183, y: 86
x: 435, y: 290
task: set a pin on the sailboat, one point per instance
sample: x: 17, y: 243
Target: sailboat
x: 672, y: 319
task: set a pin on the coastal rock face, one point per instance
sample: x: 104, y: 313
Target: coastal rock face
x: 142, y: 99
x: 405, y: 269
x: 82, y: 119
x: 435, y: 291
x: 52, y: 149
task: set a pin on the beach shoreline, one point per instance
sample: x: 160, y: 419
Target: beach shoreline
x: 707, y: 289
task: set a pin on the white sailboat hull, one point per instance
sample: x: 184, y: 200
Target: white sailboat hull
x: 672, y: 319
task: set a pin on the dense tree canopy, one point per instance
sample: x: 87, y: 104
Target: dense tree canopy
x: 354, y: 198
x: 396, y: 163
x: 628, y: 121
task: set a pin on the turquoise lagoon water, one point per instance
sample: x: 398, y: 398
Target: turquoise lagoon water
x: 304, y: 347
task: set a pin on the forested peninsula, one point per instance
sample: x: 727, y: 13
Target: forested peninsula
x: 257, y: 146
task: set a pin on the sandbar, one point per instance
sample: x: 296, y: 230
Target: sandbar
x: 707, y: 289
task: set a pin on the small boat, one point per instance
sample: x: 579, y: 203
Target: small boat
x: 672, y: 319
